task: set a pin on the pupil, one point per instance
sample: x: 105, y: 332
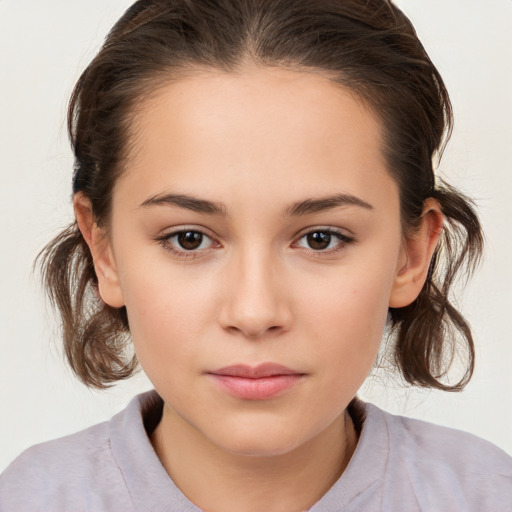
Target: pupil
x: 319, y: 240
x: 190, y: 240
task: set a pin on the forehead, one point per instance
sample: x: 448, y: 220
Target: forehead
x: 266, y: 130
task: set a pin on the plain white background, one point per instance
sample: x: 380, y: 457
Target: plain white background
x: 45, y: 44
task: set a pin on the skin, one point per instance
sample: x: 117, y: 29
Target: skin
x: 255, y: 290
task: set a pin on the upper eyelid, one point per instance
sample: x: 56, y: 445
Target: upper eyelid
x: 342, y: 232
x: 170, y: 232
x: 299, y: 234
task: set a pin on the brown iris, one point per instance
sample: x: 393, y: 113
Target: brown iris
x: 319, y: 240
x: 190, y: 240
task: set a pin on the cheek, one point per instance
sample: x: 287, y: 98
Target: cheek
x: 347, y: 322
x: 167, y: 312
x: 353, y: 298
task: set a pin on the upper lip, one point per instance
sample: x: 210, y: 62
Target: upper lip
x: 255, y: 372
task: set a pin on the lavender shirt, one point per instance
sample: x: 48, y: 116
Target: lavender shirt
x: 400, y: 465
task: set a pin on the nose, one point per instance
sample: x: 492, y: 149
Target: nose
x: 254, y: 303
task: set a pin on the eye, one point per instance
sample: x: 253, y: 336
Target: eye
x: 186, y: 243
x: 324, y: 240
x: 189, y: 240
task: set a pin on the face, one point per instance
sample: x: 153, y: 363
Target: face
x: 256, y: 243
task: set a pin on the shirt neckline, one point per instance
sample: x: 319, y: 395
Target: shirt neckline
x: 151, y: 488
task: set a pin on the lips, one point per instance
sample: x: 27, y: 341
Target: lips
x: 260, y: 382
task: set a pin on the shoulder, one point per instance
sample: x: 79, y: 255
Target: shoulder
x: 441, y: 463
x: 442, y: 445
x: 59, y: 454
x: 62, y: 474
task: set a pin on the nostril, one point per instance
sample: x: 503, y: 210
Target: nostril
x: 255, y: 333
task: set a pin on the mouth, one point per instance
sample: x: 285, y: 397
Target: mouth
x: 260, y: 382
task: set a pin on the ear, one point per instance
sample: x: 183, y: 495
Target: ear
x: 415, y: 256
x: 101, y: 251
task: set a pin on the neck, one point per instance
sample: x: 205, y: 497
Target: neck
x: 216, y: 480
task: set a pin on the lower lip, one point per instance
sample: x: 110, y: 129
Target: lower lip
x: 256, y: 389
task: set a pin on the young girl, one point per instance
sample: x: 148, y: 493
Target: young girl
x: 255, y: 204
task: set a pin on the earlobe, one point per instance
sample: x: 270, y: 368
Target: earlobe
x: 104, y: 262
x: 415, y: 257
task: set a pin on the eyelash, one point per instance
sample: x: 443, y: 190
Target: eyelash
x: 192, y: 254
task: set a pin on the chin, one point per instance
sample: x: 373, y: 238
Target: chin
x: 258, y: 439
x: 260, y: 447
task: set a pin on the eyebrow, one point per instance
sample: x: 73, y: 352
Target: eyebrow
x: 300, y: 208
x: 321, y: 204
x: 188, y: 202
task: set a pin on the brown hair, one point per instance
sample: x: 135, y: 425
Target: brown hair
x: 369, y: 47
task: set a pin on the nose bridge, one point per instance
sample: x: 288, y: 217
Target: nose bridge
x: 255, y: 299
